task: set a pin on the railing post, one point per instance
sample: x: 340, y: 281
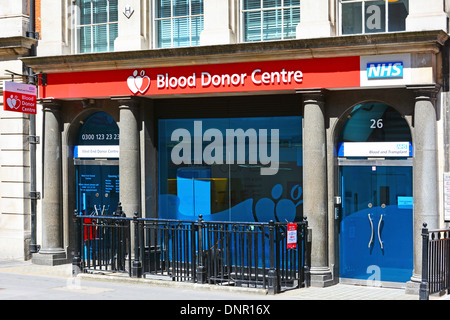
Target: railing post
x: 273, y: 279
x: 201, y: 270
x: 76, y: 262
x: 423, y: 290
x: 119, y: 211
x: 307, y: 253
x: 136, y: 269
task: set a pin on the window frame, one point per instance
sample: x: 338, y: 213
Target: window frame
x: 91, y: 25
x: 282, y: 7
x: 189, y: 16
x: 363, y: 17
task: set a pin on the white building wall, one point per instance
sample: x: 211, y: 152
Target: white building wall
x: 427, y: 15
x: 14, y: 147
x: 315, y: 19
x: 56, y: 24
x: 134, y: 31
x: 319, y: 18
x: 219, y: 22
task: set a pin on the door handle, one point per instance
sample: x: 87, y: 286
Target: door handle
x: 379, y: 234
x: 371, y: 233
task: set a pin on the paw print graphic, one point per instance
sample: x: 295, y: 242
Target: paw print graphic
x: 280, y: 210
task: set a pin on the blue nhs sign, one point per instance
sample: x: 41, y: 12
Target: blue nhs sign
x: 384, y: 70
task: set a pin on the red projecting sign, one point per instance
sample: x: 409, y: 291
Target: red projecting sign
x: 19, y: 97
x: 341, y: 72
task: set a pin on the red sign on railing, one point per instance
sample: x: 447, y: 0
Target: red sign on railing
x: 291, y: 235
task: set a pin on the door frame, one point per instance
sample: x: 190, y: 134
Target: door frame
x: 379, y: 162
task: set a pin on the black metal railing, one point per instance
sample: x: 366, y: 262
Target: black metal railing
x: 435, y: 262
x: 222, y: 253
x: 103, y: 243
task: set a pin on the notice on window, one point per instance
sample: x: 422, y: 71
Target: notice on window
x: 405, y: 202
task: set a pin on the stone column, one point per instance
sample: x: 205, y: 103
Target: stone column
x: 315, y: 206
x: 129, y: 162
x: 52, y: 251
x: 425, y: 176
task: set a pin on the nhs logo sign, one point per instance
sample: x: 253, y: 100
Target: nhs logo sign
x: 384, y: 70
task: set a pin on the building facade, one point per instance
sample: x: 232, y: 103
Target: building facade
x: 250, y: 110
x: 16, y: 40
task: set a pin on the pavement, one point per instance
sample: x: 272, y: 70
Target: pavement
x: 335, y: 292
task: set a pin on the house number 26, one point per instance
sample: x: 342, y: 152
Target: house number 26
x: 376, y: 123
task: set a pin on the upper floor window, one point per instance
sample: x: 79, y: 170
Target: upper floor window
x: 98, y: 25
x: 270, y: 19
x: 178, y: 23
x: 371, y: 16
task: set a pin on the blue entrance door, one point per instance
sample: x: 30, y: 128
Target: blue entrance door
x: 376, y: 227
x: 98, y: 189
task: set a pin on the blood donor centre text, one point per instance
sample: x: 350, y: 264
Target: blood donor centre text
x: 206, y: 79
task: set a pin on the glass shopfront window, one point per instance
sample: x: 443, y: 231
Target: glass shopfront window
x: 231, y: 169
x: 372, y: 16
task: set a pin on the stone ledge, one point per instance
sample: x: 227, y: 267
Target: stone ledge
x: 354, y: 45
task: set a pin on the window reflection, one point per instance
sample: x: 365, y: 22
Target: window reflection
x: 371, y: 16
x: 232, y: 187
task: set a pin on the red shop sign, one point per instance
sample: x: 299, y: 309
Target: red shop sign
x: 19, y: 97
x: 340, y: 72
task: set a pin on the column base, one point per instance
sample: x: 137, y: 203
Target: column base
x: 50, y: 258
x: 415, y: 287
x: 412, y: 287
x: 321, y: 277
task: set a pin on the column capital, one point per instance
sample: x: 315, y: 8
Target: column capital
x: 426, y: 91
x: 316, y: 96
x: 50, y: 104
x: 126, y: 101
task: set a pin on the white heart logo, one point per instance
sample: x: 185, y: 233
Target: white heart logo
x: 12, y: 103
x: 138, y: 83
x: 131, y: 83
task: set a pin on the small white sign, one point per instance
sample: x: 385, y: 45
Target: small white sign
x: 385, y: 70
x: 96, y: 152
x: 128, y: 11
x: 375, y: 149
